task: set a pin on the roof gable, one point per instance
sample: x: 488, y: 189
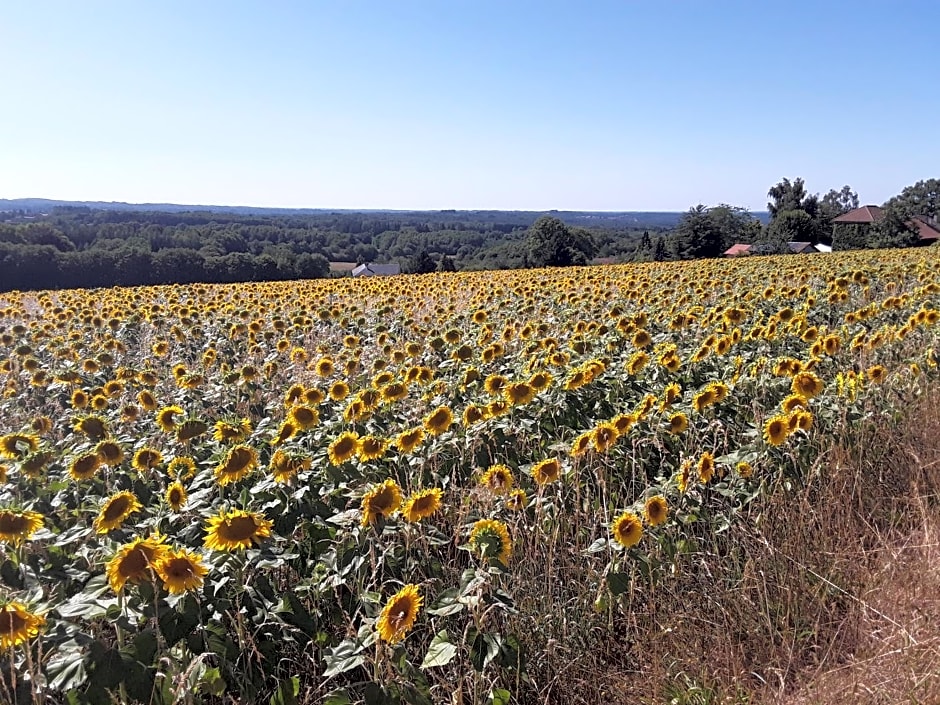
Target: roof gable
x: 865, y: 214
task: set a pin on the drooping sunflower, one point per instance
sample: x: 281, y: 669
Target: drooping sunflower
x: 655, y: 510
x: 147, y: 458
x: 399, y: 614
x: 604, y: 436
x: 181, y: 571
x: 17, y: 446
x: 438, y: 421
x: 776, y: 430
x: 371, y: 448
x: 627, y: 529
x: 190, y: 429
x: 540, y: 381
x: 18, y: 525
x: 497, y: 479
x: 109, y: 452
x: 744, y: 469
x: 239, y: 462
x: 422, y: 504
x: 116, y: 509
x: 678, y: 423
x: 703, y: 399
x: 807, y: 385
x: 84, y: 466
x: 167, y: 418
x: 343, y: 448
x: 519, y: 393
x: 231, y: 430
x: 473, y: 414
x: 497, y: 407
x: 284, y: 466
x: 408, y: 440
x: 583, y: 443
x: 792, y: 403
x: 236, y: 530
x: 134, y: 562
x: 146, y: 399
x: 396, y: 391
x: 546, y: 471
x: 876, y: 374
x: 18, y: 625
x: 494, y: 385
x: 94, y: 427
x: 623, y: 423
x: 176, y: 496
x: 706, y: 467
x: 380, y: 501
x: 490, y: 538
x: 671, y: 394
x: 517, y: 500
x: 684, y: 477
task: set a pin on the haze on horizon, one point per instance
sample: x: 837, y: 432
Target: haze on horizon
x: 427, y: 106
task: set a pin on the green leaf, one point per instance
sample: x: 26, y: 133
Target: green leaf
x: 618, y: 583
x: 441, y: 652
x: 483, y: 648
x: 212, y: 682
x: 340, y: 696
x: 499, y: 696
x: 346, y: 656
x: 287, y: 691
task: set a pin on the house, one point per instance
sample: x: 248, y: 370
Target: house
x: 823, y: 248
x: 376, y: 270
x: 738, y: 250
x: 802, y: 248
x: 928, y: 229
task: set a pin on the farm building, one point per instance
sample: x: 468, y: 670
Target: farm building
x: 376, y: 270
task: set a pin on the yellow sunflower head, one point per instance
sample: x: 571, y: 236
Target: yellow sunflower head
x: 497, y: 479
x: 115, y: 510
x: 490, y: 538
x: 655, y: 510
x: 236, y: 530
x: 422, y: 504
x: 380, y: 502
x: 399, y: 614
x: 627, y: 529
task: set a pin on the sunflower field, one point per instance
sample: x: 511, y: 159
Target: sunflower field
x: 411, y: 489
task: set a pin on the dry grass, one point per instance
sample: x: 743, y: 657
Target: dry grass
x: 827, y: 592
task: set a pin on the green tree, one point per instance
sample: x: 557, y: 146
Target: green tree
x: 446, y: 264
x: 832, y: 205
x: 421, y: 263
x: 792, y: 196
x: 787, y: 226
x: 551, y: 243
x: 708, y: 232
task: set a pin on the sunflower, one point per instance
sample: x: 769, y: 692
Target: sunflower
x: 324, y: 367
x: 371, y: 448
x: 116, y: 509
x: 166, y: 418
x: 343, y: 448
x: 776, y: 430
x: 807, y: 385
x: 176, y: 496
x: 516, y: 500
x: 181, y: 571
x: 637, y: 362
x: 627, y: 529
x: 719, y: 391
x: 17, y: 446
x: 877, y: 374
x: 146, y: 399
x: 671, y: 394
x: 422, y: 504
x: 802, y: 420
x: 286, y: 430
x: 438, y: 421
x: 239, y: 461
x: 399, y: 614
x: 706, y: 467
x: 304, y: 417
x: 519, y: 393
x: 190, y: 429
x: 147, y: 458
x: 703, y: 399
x: 792, y: 403
x: 684, y: 476
x: 396, y: 391
x: 17, y: 525
x: 79, y: 399
x: 497, y: 407
x: 109, y: 452
x: 231, y: 431
x: 473, y: 414
x: 41, y: 425
x: 494, y: 385
x: 134, y: 562
x: 744, y: 469
x: 34, y: 463
x: 678, y: 423
x: 408, y: 440
x: 655, y: 510
x: 18, y: 625
x: 491, y: 538
x: 339, y: 390
x: 623, y: 423
x: 497, y: 479
x: 181, y: 467
x: 235, y: 530
x: 380, y: 501
x: 84, y: 466
x: 582, y: 444
x: 604, y: 436
x: 546, y: 471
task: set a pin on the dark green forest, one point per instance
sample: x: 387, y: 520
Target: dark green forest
x: 47, y: 244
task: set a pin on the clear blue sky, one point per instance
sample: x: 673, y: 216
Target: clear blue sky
x: 652, y: 105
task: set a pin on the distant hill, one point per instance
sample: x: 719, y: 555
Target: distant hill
x: 596, y: 219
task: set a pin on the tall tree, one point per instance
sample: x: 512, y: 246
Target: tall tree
x: 551, y: 243
x: 708, y: 232
x: 792, y: 196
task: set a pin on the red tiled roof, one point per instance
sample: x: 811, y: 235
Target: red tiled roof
x: 926, y: 230
x: 865, y: 214
x: 737, y: 249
